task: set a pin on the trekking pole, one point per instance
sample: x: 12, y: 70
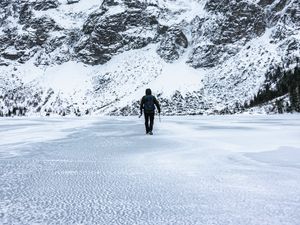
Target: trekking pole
x: 159, y: 117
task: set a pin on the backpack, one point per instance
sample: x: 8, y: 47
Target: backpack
x: 149, y: 103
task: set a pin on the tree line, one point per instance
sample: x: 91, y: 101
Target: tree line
x: 280, y: 83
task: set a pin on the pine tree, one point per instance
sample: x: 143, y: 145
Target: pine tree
x: 279, y: 106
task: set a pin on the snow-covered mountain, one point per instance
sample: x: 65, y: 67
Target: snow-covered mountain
x: 98, y: 56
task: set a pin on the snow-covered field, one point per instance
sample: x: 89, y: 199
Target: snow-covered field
x: 195, y: 170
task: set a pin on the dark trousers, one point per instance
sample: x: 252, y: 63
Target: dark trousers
x: 149, y: 117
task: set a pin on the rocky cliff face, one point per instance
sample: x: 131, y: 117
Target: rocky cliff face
x: 199, y: 56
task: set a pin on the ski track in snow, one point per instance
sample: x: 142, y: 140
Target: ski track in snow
x: 194, y: 170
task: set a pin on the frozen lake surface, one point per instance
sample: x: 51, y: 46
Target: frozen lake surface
x: 230, y: 170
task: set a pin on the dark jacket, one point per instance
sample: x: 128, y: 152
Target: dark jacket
x: 144, y: 101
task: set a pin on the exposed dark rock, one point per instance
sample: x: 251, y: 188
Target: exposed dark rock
x: 173, y: 44
x: 25, y: 13
x: 264, y: 3
x: 280, y: 5
x: 237, y: 22
x: 91, y: 22
x: 107, y: 35
x: 293, y: 13
x: 40, y: 29
x: 234, y: 22
x: 72, y: 1
x: 12, y: 56
x: 43, y: 24
x: 7, y: 39
x: 290, y: 49
x: 285, y: 24
x: 162, y: 29
x: 45, y: 4
x: 25, y: 41
x: 136, y: 4
x: 108, y: 3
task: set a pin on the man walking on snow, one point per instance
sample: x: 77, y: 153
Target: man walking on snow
x: 148, y: 103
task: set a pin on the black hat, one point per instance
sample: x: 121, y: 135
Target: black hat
x: 148, y: 91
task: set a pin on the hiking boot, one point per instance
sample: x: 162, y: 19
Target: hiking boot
x: 151, y: 133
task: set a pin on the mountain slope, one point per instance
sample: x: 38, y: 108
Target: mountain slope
x: 83, y: 57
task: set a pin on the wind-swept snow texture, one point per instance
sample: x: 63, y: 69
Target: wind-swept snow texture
x: 229, y: 170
